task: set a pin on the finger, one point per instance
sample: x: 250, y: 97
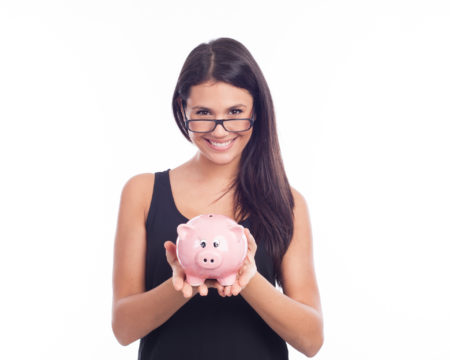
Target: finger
x: 245, y: 278
x: 178, y: 282
x: 243, y: 282
x: 228, y: 290
x: 251, y: 241
x: 203, y: 289
x: 235, y: 289
x: 214, y: 284
x: 168, y: 245
x: 220, y: 289
x: 187, y: 290
x: 170, y: 252
x: 242, y: 270
x: 178, y: 276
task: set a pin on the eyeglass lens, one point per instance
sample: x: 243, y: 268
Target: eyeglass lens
x: 230, y: 125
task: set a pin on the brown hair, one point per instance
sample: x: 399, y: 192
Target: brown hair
x: 261, y: 187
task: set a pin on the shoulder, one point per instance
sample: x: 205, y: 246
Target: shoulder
x: 302, y: 236
x: 138, y: 189
x: 139, y: 183
x: 300, y: 206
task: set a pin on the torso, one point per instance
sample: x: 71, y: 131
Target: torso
x: 193, y: 198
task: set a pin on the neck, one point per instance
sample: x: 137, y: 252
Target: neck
x: 206, y: 170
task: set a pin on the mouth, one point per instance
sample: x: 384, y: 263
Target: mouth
x: 222, y: 145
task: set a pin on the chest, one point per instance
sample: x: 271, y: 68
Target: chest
x: 193, y: 199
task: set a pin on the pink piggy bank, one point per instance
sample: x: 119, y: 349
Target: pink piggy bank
x: 211, y: 246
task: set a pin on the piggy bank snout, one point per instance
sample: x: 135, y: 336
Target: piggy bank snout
x: 209, y: 259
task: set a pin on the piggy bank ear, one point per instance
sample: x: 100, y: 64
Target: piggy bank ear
x: 185, y: 230
x: 238, y: 230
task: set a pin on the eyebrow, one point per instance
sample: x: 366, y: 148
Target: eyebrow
x: 205, y: 108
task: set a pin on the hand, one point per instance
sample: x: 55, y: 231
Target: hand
x: 246, y: 272
x: 179, y: 276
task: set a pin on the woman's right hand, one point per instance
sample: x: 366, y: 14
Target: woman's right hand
x: 179, y: 277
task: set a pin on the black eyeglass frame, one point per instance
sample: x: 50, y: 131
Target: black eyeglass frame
x: 216, y: 121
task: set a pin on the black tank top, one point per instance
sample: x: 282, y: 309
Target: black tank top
x: 206, y: 327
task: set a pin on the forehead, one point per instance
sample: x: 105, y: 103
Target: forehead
x: 218, y: 95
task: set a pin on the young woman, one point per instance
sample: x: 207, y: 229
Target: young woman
x: 222, y: 105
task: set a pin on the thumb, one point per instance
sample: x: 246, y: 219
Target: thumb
x: 170, y: 246
x: 170, y: 250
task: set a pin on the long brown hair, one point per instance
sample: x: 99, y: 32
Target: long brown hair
x: 261, y: 187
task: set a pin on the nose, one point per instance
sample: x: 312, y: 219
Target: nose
x: 219, y: 131
x: 209, y: 259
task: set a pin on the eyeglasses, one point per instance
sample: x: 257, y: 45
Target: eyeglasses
x: 208, y: 125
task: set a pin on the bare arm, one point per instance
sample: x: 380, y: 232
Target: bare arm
x: 136, y: 315
x: 295, y: 315
x: 136, y: 312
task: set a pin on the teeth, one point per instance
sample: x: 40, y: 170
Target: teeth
x: 220, y: 144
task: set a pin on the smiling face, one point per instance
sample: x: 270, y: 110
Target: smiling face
x: 219, y: 101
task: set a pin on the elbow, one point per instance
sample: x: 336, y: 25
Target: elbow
x: 119, y: 329
x: 314, y: 349
x: 316, y: 342
x: 119, y: 334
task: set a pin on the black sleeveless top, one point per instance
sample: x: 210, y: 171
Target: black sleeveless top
x: 206, y: 327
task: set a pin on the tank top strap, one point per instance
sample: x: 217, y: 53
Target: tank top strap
x: 161, y: 197
x: 162, y: 178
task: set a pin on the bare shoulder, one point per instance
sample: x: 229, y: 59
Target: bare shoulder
x: 139, y: 189
x: 140, y: 181
x: 302, y: 236
x: 300, y: 207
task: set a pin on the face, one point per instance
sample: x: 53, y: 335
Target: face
x: 219, y: 101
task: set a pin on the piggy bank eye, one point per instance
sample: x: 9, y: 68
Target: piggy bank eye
x: 203, y: 243
x: 216, y: 243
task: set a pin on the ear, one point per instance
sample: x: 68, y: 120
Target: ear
x: 184, y: 231
x: 238, y: 230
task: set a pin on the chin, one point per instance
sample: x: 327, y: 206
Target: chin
x: 219, y: 158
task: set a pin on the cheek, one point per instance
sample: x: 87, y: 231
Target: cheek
x: 247, y: 137
x: 199, y: 140
x: 194, y: 138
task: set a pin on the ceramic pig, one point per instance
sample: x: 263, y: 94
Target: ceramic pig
x: 211, y: 246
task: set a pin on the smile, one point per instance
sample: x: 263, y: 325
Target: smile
x: 221, y: 146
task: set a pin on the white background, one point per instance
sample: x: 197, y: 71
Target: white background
x: 361, y: 92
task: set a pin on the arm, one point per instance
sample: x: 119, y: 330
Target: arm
x: 136, y: 312
x: 136, y: 315
x: 296, y: 315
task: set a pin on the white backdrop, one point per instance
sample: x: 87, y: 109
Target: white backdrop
x: 361, y: 92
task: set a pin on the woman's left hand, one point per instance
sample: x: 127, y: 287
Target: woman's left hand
x: 246, y: 272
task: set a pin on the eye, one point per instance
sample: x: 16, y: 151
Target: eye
x: 216, y: 243
x: 203, y: 243
x: 236, y: 110
x: 200, y: 112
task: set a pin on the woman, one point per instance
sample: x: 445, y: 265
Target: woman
x: 237, y: 172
